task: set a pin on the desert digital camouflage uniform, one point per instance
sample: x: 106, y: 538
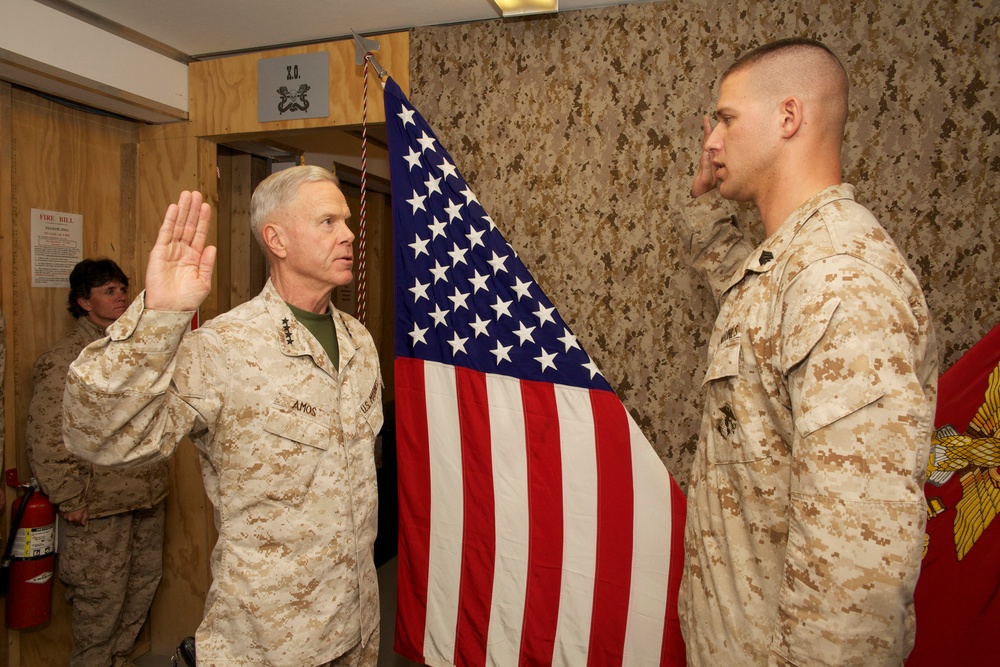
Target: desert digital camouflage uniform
x: 806, y: 512
x: 286, y: 445
x: 111, y: 566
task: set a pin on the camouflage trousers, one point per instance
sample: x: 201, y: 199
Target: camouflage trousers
x: 364, y: 654
x: 111, y: 568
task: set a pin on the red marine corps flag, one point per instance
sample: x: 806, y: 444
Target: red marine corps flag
x: 958, y: 593
x: 537, y: 524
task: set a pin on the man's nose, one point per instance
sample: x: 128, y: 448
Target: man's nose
x: 714, y: 143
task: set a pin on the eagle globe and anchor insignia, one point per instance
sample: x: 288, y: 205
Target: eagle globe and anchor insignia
x: 293, y: 101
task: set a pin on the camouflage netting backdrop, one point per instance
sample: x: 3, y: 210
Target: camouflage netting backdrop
x: 579, y: 134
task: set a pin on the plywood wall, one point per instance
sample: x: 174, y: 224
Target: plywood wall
x: 221, y: 88
x: 60, y: 159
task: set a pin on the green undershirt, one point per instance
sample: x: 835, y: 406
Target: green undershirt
x: 322, y: 327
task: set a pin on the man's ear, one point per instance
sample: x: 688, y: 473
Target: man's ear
x: 84, y: 303
x: 274, y: 239
x: 790, y: 110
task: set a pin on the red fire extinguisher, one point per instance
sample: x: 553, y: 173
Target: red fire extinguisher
x: 29, y: 556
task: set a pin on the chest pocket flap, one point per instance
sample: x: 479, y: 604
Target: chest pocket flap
x: 829, y: 375
x: 725, y: 362
x: 283, y: 466
x: 297, y: 426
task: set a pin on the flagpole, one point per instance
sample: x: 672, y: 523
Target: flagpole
x: 363, y: 55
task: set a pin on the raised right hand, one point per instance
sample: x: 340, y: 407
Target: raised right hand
x: 704, y: 180
x: 179, y: 274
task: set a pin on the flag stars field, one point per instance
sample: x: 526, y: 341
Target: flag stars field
x: 569, y: 340
x: 439, y: 316
x: 466, y: 289
x: 545, y: 315
x: 524, y: 333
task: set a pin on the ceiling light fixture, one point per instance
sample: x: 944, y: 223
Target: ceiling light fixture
x: 509, y: 8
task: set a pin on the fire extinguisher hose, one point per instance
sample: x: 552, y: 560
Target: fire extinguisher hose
x: 11, y: 536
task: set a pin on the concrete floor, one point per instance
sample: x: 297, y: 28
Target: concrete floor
x: 386, y: 656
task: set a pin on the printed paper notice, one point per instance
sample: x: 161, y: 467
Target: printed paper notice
x: 56, y: 246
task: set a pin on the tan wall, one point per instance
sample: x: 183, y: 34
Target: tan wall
x: 579, y: 134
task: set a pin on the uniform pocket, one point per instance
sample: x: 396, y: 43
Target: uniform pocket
x: 285, y: 460
x: 830, y: 375
x: 737, y: 433
x: 725, y: 364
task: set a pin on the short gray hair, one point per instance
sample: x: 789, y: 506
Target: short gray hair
x: 278, y: 190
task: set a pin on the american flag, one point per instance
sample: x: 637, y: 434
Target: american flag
x: 537, y: 524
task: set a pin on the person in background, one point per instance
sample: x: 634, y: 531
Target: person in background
x: 282, y: 397
x: 111, y: 554
x: 806, y: 511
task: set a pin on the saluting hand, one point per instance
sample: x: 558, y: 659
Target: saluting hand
x: 704, y: 180
x: 179, y: 275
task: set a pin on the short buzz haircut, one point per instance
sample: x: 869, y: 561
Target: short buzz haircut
x: 765, y: 50
x: 87, y: 275
x: 278, y: 190
x: 810, y: 61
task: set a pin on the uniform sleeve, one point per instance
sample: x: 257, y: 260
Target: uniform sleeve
x: 63, y: 476
x: 853, y: 356
x: 717, y: 246
x: 122, y: 403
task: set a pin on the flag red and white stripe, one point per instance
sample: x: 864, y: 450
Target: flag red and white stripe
x: 537, y: 525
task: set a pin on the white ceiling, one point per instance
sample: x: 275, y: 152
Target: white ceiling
x: 201, y: 28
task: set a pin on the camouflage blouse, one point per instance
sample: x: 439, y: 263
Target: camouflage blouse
x: 71, y: 482
x: 286, y: 447
x: 805, y: 508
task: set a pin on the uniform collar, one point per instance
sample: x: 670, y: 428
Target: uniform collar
x: 92, y: 329
x: 297, y: 341
x: 769, y: 252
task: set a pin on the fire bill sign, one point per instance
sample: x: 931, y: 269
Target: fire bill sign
x: 56, y: 246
